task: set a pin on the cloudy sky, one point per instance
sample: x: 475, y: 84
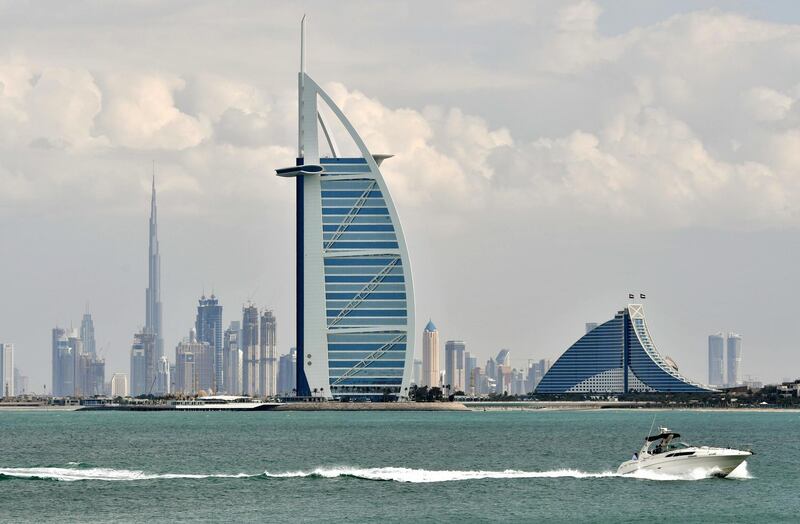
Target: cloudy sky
x: 550, y: 158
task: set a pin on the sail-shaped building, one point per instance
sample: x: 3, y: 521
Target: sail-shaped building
x: 618, y: 356
x: 355, y: 298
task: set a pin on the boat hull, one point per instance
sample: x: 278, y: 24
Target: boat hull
x: 720, y: 464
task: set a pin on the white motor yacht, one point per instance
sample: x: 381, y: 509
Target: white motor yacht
x: 663, y: 453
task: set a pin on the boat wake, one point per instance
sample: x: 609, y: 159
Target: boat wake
x: 92, y: 473
x: 82, y: 472
x: 424, y: 475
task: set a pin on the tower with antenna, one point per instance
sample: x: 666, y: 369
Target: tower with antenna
x: 355, y: 298
x: 153, y: 306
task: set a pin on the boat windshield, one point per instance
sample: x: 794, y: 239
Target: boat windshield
x: 660, y: 447
x: 677, y: 445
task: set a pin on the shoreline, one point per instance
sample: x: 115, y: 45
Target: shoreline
x: 542, y: 406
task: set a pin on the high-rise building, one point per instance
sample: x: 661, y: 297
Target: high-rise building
x: 87, y: 334
x: 193, y: 366
x: 144, y: 365
x: 66, y: 352
x: 503, y: 358
x: 517, y: 382
x: 470, y: 363
x: 90, y: 375
x: 268, y: 369
x: 204, y: 366
x: 184, y: 369
x: 233, y: 358
x: 6, y: 370
x: 119, y: 385
x: 590, y: 326
x: 209, y: 329
x: 58, y: 341
x: 21, y: 383
x: 734, y: 359
x: 153, y: 306
x: 417, y: 374
x: 716, y: 350
x: 490, y: 372
x: 287, y: 373
x: 618, y: 356
x: 355, y: 299
x: 251, y: 352
x: 143, y: 343
x: 430, y: 356
x: 163, y: 377
x: 479, y: 386
x: 454, y: 366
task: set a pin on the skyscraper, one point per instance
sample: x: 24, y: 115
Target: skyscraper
x: 209, y: 329
x: 153, y: 293
x: 90, y: 375
x: 119, y: 385
x: 58, y: 335
x: 269, y: 358
x: 590, y: 326
x: 87, y: 334
x: 716, y: 350
x: 470, y: 363
x: 233, y: 358
x: 143, y: 343
x: 430, y: 356
x: 251, y: 352
x: 454, y: 366
x: 287, y: 373
x: 417, y: 374
x: 163, y: 378
x: 193, y: 366
x: 6, y: 370
x: 734, y: 359
x: 21, y: 385
x: 355, y: 299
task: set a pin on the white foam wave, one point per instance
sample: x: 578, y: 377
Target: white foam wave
x: 423, y: 475
x: 107, y: 474
x: 395, y: 474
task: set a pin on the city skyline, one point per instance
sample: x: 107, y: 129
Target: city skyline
x: 527, y: 190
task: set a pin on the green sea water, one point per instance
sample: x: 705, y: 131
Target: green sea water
x: 384, y: 466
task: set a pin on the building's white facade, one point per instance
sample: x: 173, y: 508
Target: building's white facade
x: 355, y: 298
x: 431, y: 364
x: 7, y: 370
x: 734, y: 359
x: 119, y: 385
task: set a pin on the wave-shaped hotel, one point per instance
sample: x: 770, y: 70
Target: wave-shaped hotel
x: 355, y: 299
x: 618, y: 356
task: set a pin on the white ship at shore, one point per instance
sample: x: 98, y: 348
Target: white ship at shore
x: 223, y: 403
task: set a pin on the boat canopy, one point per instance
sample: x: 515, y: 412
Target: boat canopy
x: 660, y: 436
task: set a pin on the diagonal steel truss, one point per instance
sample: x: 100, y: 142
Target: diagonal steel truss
x: 366, y: 361
x: 365, y: 291
x: 351, y: 215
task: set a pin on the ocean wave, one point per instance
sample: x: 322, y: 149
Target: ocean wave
x: 79, y: 472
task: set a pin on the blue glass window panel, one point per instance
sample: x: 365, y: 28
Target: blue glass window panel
x: 359, y: 261
x: 362, y: 278
x: 362, y: 211
x: 372, y: 296
x: 358, y: 312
